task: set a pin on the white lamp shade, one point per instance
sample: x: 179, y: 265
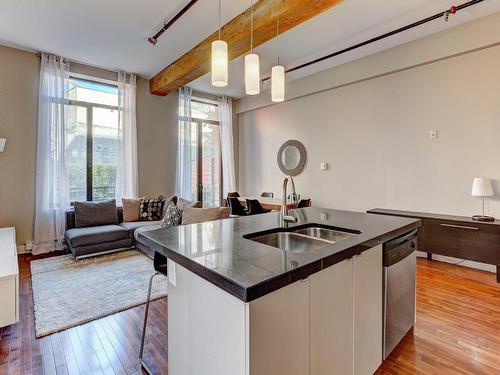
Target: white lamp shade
x: 278, y: 83
x: 252, y: 74
x: 482, y: 187
x: 2, y: 144
x: 219, y: 63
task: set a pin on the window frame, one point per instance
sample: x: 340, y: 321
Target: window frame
x: 90, y: 124
x: 199, y: 124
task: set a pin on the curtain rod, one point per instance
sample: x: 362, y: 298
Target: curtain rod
x: 169, y: 24
x: 445, y: 14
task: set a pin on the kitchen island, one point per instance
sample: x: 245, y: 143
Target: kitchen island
x: 249, y: 297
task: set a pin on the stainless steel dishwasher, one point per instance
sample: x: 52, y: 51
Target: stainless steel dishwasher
x: 399, y: 289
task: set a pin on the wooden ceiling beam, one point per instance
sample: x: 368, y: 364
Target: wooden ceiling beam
x: 196, y: 62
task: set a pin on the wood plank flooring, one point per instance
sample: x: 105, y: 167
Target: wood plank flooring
x: 457, y: 332
x: 105, y: 346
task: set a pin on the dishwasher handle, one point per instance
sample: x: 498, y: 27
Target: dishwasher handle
x: 399, y: 240
x: 400, y: 248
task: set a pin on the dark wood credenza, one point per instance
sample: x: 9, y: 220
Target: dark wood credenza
x: 455, y: 236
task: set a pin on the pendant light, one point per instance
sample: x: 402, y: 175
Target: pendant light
x: 278, y: 71
x: 252, y: 68
x: 219, y: 60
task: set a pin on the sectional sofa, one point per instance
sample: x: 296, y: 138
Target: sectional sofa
x: 103, y: 239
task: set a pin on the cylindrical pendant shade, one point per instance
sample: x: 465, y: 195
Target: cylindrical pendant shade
x: 219, y: 63
x: 278, y: 84
x: 252, y: 74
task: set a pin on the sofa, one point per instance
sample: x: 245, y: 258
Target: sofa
x: 102, y: 239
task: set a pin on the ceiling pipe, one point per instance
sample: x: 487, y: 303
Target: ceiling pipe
x: 444, y: 14
x: 167, y: 25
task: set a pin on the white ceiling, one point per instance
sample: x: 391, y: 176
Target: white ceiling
x: 113, y: 33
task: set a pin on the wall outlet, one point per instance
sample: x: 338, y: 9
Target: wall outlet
x: 433, y: 134
x: 324, y: 166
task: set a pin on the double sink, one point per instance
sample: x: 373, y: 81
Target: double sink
x: 302, y: 238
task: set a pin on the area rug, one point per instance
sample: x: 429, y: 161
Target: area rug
x: 68, y: 293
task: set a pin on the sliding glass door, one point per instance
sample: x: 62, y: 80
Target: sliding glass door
x: 206, y: 177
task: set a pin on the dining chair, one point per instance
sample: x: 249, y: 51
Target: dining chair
x: 267, y: 195
x: 255, y: 208
x: 160, y: 266
x: 236, y: 207
x: 304, y: 203
x: 233, y: 195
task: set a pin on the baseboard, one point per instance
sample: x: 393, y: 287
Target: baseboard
x: 21, y: 249
x: 460, y: 262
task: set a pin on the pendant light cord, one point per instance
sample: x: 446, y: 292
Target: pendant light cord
x: 278, y: 36
x: 219, y: 19
x: 251, y: 26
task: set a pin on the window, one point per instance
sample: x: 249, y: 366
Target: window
x: 206, y: 180
x: 92, y: 140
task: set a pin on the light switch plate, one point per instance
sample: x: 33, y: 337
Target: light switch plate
x: 324, y: 166
x: 433, y: 134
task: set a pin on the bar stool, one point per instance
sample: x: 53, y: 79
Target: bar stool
x: 160, y: 266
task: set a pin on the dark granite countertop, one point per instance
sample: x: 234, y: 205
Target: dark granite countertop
x: 217, y: 251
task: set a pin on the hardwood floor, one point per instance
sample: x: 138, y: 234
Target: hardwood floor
x: 457, y: 332
x: 458, y: 324
x: 105, y: 346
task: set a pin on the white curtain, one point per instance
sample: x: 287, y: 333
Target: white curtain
x: 52, y: 195
x: 183, y: 188
x: 127, y: 181
x: 226, y: 134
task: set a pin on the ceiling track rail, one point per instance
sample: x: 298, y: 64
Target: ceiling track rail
x: 154, y: 39
x: 441, y: 15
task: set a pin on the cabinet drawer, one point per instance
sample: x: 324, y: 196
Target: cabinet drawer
x: 480, y: 247
x: 439, y: 239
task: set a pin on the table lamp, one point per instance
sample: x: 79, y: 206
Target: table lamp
x: 482, y: 187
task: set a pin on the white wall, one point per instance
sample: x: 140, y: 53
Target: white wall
x: 375, y: 134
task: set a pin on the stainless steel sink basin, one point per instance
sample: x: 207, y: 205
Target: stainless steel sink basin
x: 303, y: 238
x: 330, y: 235
x: 290, y: 241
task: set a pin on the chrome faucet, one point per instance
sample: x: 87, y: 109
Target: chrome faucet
x: 285, y: 216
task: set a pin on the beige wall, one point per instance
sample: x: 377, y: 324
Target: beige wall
x: 18, y: 113
x: 19, y: 76
x: 374, y: 133
x: 156, y: 140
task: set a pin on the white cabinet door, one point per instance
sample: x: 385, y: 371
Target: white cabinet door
x: 279, y: 331
x: 206, y: 327
x: 332, y: 320
x: 368, y: 311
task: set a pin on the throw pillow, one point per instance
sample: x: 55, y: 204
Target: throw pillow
x: 224, y: 212
x: 173, y: 216
x: 167, y: 202
x: 91, y: 214
x: 192, y: 215
x: 131, y: 209
x: 181, y: 203
x: 152, y: 208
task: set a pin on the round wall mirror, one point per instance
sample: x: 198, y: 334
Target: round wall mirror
x: 292, y: 157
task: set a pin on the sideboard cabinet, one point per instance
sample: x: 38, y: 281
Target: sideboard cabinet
x: 455, y: 236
